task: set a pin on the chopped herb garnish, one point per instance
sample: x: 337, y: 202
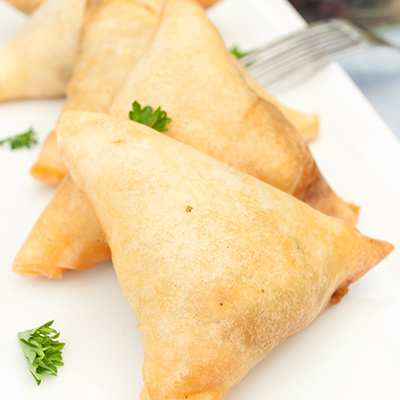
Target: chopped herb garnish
x: 41, y: 350
x: 27, y: 139
x: 238, y: 53
x: 157, y: 120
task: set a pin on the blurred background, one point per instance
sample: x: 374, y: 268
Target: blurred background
x: 366, y: 11
x: 376, y: 71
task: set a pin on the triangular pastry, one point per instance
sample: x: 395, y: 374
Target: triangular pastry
x: 38, y: 62
x: 26, y: 6
x: 78, y: 240
x: 115, y: 35
x: 236, y: 127
x: 189, y: 72
x: 219, y: 267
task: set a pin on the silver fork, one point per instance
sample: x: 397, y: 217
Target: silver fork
x: 299, y: 54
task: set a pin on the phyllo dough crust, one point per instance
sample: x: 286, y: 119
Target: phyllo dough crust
x: 219, y: 267
x: 38, y: 62
x: 26, y: 6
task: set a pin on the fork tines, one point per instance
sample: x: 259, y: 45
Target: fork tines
x: 304, y: 51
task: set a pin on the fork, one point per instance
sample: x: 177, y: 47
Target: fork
x: 299, y: 54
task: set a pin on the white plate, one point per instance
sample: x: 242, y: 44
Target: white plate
x: 351, y: 352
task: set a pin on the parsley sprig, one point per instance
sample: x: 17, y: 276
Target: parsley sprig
x: 157, y: 120
x: 238, y: 53
x: 27, y: 139
x: 41, y: 350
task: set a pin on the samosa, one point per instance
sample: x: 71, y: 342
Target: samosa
x: 38, y: 62
x: 115, y: 34
x: 223, y: 118
x: 191, y: 75
x: 219, y: 267
x: 26, y: 6
x: 45, y: 253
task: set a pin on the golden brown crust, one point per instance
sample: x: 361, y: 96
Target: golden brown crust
x: 315, y: 191
x: 217, y: 285
x: 49, y: 167
x: 208, y: 3
x: 26, y: 6
x: 72, y: 237
x: 38, y: 62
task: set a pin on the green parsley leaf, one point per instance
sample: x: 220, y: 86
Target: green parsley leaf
x: 238, y: 53
x: 157, y: 120
x: 27, y: 139
x: 41, y: 350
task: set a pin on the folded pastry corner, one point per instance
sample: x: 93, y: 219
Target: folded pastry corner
x: 72, y: 238
x: 38, y: 62
x: 208, y: 3
x: 219, y: 267
x: 49, y: 167
x: 26, y: 6
x: 313, y: 189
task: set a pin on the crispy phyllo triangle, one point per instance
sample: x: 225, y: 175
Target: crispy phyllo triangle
x: 214, y: 110
x: 72, y: 237
x: 115, y: 35
x: 26, y: 6
x: 219, y: 267
x: 38, y: 62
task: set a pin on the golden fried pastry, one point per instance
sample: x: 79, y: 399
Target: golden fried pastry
x: 72, y: 237
x: 39, y: 60
x: 208, y: 3
x: 219, y: 267
x: 215, y: 111
x: 26, y: 6
x: 115, y: 35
